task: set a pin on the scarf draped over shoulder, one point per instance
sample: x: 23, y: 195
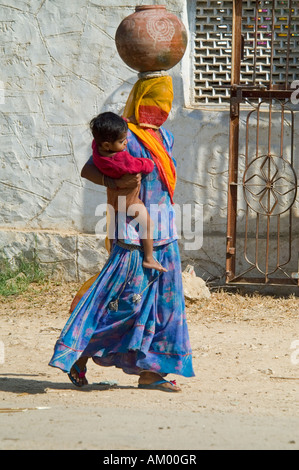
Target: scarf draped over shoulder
x: 149, y: 104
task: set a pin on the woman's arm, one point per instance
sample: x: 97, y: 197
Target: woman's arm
x: 91, y: 173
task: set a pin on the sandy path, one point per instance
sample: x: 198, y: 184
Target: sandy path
x: 244, y: 395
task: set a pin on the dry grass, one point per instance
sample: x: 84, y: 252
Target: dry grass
x: 53, y: 298
x: 245, y: 307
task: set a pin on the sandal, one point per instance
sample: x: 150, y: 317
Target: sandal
x: 81, y: 375
x: 159, y: 386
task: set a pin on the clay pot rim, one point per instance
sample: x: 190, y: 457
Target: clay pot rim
x: 150, y: 7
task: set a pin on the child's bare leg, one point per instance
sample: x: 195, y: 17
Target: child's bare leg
x: 149, y: 261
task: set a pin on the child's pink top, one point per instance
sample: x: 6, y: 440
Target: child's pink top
x: 121, y: 163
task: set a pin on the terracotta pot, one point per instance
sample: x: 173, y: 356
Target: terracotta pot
x: 151, y: 39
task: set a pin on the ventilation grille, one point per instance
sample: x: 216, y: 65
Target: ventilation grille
x: 213, y: 46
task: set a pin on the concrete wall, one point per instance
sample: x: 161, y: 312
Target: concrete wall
x: 59, y: 68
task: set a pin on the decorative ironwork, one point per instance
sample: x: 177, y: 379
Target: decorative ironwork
x: 270, y: 185
x: 269, y: 179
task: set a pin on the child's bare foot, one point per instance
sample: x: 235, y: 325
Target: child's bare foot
x: 152, y: 263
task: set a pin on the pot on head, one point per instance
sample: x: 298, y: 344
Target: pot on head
x: 151, y: 39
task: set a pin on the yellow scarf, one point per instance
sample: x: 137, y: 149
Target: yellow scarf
x: 150, y: 101
x: 149, y: 104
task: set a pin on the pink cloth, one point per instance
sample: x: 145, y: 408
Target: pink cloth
x: 116, y: 166
x: 121, y: 163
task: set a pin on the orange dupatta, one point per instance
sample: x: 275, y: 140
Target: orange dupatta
x: 160, y: 156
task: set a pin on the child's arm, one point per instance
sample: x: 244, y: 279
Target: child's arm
x: 143, y: 165
x: 137, y: 165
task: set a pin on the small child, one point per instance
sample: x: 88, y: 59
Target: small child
x: 110, y: 157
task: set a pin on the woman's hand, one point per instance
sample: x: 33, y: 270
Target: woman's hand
x: 128, y: 181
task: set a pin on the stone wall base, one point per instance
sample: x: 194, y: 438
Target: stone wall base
x: 75, y: 257
x: 68, y: 256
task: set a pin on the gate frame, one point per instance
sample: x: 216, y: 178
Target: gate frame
x: 238, y: 94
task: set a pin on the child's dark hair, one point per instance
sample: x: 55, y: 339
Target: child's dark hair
x: 107, y: 127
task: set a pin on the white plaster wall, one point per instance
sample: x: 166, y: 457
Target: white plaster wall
x: 59, y: 67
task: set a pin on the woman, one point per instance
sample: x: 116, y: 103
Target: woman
x: 130, y: 317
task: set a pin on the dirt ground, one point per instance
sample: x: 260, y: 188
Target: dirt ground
x: 244, y: 395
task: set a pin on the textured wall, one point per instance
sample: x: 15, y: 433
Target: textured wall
x: 59, y: 67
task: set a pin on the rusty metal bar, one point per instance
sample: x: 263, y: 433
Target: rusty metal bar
x: 267, y: 94
x: 288, y: 44
x: 258, y: 130
x: 270, y: 128
x: 267, y: 248
x: 282, y: 132
x: 278, y: 242
x: 234, y: 141
x: 255, y: 41
x: 287, y: 281
x: 272, y: 44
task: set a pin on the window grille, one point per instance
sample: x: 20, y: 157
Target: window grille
x: 213, y: 46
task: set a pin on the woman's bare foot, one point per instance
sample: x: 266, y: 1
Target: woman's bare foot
x: 149, y: 380
x: 77, y: 372
x: 152, y: 263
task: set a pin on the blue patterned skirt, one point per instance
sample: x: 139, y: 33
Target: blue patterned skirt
x: 132, y: 318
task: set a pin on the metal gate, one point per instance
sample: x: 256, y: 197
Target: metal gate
x: 261, y: 245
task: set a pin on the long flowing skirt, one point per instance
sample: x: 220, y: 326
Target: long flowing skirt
x: 132, y: 318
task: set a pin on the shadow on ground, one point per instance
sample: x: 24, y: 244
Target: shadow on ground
x: 18, y: 383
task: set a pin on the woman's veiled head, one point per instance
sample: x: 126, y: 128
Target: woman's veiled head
x: 150, y: 101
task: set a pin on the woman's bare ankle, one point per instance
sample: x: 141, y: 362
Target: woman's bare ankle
x: 147, y: 377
